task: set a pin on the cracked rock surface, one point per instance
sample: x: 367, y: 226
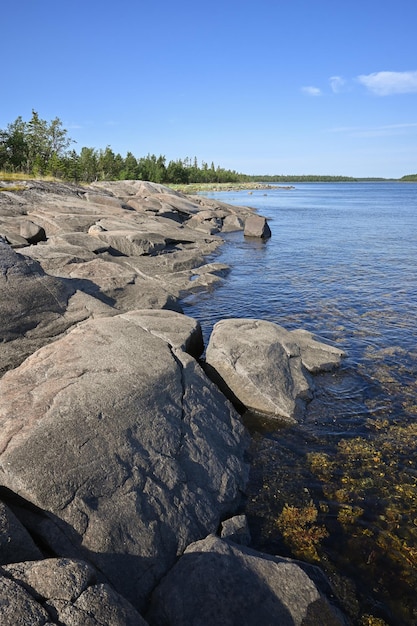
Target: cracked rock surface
x: 244, y: 587
x: 61, y: 591
x: 116, y: 450
x: 119, y: 437
x: 266, y: 368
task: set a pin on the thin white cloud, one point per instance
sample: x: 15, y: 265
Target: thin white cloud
x: 388, y: 83
x: 311, y: 91
x: 337, y: 83
x: 376, y: 131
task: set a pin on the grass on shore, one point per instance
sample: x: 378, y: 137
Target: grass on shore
x: 12, y: 176
x: 192, y: 188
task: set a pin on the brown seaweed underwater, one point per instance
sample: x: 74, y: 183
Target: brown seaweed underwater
x: 338, y: 489
x: 344, y: 497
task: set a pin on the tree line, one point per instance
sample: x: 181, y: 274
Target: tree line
x: 42, y: 148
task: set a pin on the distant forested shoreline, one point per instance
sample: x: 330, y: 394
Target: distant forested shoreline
x: 42, y: 148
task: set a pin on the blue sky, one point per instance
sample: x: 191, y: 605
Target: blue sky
x: 273, y: 87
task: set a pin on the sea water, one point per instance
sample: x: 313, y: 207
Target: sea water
x: 340, y: 488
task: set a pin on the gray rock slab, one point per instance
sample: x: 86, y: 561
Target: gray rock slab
x: 35, y: 307
x: 61, y: 591
x: 30, y: 300
x: 106, y: 200
x: 125, y: 444
x: 257, y: 364
x: 217, y: 582
x: 10, y: 236
x: 56, y: 253
x: 179, y: 331
x: 266, y: 368
x: 133, y: 243
x: 60, y: 579
x: 32, y: 232
x: 317, y: 356
x: 232, y: 223
x: 257, y: 226
x: 100, y: 605
x: 236, y: 529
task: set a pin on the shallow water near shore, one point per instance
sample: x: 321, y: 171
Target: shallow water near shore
x: 339, y: 489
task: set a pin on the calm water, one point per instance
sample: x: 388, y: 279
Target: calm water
x: 341, y: 263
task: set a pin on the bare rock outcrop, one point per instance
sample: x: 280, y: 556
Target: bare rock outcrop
x: 61, y: 591
x: 257, y: 226
x: 219, y: 582
x: 69, y: 252
x: 264, y: 367
x: 35, y: 307
x: 118, y: 436
x: 131, y: 244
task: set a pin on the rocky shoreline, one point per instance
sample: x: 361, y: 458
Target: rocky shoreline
x: 193, y: 188
x: 122, y: 462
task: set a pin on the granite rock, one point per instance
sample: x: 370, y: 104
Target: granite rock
x: 263, y: 367
x: 116, y: 434
x: 63, y: 592
x: 219, y: 582
x: 257, y: 226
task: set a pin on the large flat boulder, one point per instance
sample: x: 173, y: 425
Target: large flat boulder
x: 218, y: 582
x: 117, y: 435
x: 263, y: 367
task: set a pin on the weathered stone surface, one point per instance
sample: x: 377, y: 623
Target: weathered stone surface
x: 257, y: 365
x: 133, y: 243
x: 18, y: 608
x: 27, y: 293
x: 15, y: 542
x: 33, y: 307
x: 179, y: 331
x: 217, y: 582
x: 32, y: 232
x: 60, y: 591
x: 59, y: 579
x: 121, y: 223
x: 100, y: 605
x: 257, y: 226
x: 236, y: 529
x: 231, y: 223
x: 261, y: 365
x: 123, y: 441
x: 316, y: 355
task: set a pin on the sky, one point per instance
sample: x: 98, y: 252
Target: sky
x: 260, y: 87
